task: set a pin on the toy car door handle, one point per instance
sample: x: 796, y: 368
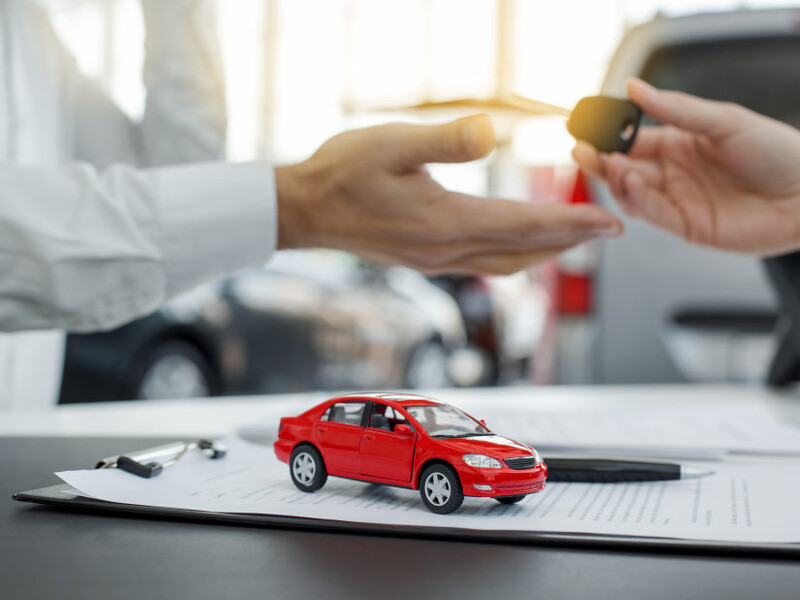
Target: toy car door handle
x: 322, y: 428
x: 369, y: 437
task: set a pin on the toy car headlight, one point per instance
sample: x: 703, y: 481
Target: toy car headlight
x: 482, y: 461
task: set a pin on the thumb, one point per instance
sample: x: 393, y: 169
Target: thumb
x: 458, y: 141
x: 684, y: 111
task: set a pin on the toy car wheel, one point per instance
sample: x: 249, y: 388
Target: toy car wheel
x: 307, y: 469
x: 510, y: 499
x: 440, y: 489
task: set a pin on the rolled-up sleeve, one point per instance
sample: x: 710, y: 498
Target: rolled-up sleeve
x: 85, y: 250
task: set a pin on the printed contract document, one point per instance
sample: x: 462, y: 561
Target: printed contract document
x: 744, y: 501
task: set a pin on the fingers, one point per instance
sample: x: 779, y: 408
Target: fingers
x: 589, y: 159
x: 524, y: 226
x: 458, y: 141
x: 648, y: 145
x: 638, y: 185
x: 650, y: 142
x: 491, y: 263
x: 655, y: 206
x: 684, y: 111
x: 619, y: 166
x: 467, y: 234
x: 496, y: 264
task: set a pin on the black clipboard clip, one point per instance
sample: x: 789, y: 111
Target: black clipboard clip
x: 150, y: 463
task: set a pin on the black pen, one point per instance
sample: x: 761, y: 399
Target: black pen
x: 593, y: 470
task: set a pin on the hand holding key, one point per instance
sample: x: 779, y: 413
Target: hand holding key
x: 714, y: 173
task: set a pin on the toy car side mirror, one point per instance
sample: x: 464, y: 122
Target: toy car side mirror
x: 482, y: 422
x: 403, y: 430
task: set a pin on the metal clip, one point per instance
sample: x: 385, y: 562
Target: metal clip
x: 144, y: 463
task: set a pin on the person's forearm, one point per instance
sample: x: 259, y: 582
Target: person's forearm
x: 86, y: 251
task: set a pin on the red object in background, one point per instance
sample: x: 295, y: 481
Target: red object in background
x: 574, y: 294
x: 580, y: 191
x: 569, y: 280
x: 408, y: 441
x: 575, y: 290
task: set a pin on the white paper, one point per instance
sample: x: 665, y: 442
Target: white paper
x: 702, y: 432
x: 742, y: 502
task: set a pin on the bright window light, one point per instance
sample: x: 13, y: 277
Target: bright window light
x: 331, y: 59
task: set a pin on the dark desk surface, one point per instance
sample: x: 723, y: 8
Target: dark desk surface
x: 49, y: 553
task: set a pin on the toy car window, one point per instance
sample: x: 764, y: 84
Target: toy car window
x: 347, y: 412
x: 394, y: 416
x: 444, y: 421
x: 326, y: 414
x: 385, y: 417
x: 400, y: 420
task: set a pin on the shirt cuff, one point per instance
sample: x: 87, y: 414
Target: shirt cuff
x: 216, y: 218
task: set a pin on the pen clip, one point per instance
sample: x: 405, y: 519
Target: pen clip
x: 151, y: 462
x: 148, y: 470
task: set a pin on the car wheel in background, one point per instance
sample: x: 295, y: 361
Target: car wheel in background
x: 440, y: 489
x: 427, y: 366
x: 510, y: 499
x: 174, y: 369
x: 307, y: 468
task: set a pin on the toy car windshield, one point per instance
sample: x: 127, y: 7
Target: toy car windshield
x: 443, y: 421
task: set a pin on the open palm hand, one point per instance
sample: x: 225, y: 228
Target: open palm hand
x: 368, y: 191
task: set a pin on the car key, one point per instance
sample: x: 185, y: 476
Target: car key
x: 609, y: 124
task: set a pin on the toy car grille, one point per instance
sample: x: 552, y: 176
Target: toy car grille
x: 518, y: 488
x: 521, y: 462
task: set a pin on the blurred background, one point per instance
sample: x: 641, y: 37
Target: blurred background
x: 644, y: 308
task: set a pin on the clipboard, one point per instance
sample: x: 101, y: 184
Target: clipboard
x: 64, y: 497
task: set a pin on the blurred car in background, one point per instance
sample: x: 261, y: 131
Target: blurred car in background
x: 310, y: 320
x: 649, y: 307
x: 504, y: 319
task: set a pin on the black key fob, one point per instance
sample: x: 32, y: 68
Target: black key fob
x: 609, y: 124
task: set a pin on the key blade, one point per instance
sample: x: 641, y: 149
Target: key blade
x: 537, y: 108
x: 609, y: 124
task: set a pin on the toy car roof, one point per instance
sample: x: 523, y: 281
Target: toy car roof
x: 402, y: 399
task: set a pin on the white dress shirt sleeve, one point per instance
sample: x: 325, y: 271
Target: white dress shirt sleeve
x: 89, y: 245
x: 85, y: 250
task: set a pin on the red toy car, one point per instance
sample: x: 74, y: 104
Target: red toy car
x: 409, y: 441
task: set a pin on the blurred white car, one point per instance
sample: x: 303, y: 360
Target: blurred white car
x: 504, y: 319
